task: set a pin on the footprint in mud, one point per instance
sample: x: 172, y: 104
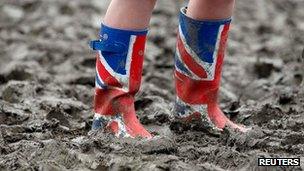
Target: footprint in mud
x: 18, y: 74
x: 19, y: 71
x: 263, y: 70
x: 16, y: 91
x: 60, y: 115
x: 70, y: 113
x: 12, y: 116
x: 265, y: 114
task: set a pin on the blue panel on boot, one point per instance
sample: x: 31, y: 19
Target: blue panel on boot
x: 201, y: 36
x: 114, y: 45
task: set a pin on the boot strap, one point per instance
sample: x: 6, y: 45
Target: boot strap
x: 106, y: 46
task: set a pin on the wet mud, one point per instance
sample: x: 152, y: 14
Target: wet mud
x: 47, y: 87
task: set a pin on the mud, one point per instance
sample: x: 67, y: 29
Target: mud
x: 47, y: 79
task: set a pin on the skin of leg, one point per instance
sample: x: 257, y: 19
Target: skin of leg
x: 210, y: 9
x: 129, y: 14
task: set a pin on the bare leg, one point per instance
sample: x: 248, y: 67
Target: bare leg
x: 129, y: 14
x: 210, y: 9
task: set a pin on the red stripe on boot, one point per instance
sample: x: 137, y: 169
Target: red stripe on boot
x: 189, y: 61
x: 221, y: 54
x: 136, y: 64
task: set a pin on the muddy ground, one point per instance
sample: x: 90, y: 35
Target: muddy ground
x: 47, y: 87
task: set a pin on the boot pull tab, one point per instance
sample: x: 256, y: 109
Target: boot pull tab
x: 107, y: 46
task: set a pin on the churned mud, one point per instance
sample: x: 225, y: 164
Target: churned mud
x: 47, y: 87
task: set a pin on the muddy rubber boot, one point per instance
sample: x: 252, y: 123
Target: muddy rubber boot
x: 119, y: 62
x: 198, y: 65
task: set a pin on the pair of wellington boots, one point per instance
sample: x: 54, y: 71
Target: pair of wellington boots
x: 199, y: 58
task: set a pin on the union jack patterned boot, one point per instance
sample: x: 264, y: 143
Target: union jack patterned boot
x: 119, y: 62
x: 198, y: 64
